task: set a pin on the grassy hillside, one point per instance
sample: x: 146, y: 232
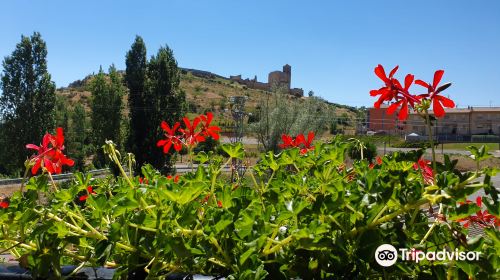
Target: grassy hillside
x: 203, y: 94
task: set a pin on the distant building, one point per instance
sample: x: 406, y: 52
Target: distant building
x: 458, y: 123
x: 275, y: 78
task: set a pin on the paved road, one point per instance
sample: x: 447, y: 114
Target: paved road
x: 380, y: 150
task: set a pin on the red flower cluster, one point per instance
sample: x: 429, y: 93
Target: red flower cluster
x: 378, y: 161
x: 298, y: 142
x: 143, y: 180
x: 426, y: 170
x: 50, y: 155
x: 207, y: 197
x: 190, y: 135
x: 482, y: 218
x: 90, y: 191
x: 4, y: 202
x: 393, y: 91
x: 176, y: 178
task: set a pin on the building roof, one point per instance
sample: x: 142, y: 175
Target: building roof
x: 456, y: 110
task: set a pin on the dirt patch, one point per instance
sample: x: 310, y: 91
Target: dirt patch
x: 8, y: 190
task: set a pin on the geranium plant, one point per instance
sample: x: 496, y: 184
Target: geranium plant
x: 302, y: 213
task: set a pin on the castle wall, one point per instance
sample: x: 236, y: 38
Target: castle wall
x: 275, y: 78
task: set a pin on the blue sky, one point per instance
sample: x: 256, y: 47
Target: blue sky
x: 332, y: 46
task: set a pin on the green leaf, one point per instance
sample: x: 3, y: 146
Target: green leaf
x: 246, y: 255
x: 226, y: 220
x: 234, y: 150
x: 463, y: 211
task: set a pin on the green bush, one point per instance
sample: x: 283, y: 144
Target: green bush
x: 296, y: 216
x: 369, y: 151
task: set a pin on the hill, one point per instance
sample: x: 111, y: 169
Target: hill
x: 207, y: 91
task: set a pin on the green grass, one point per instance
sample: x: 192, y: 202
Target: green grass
x: 463, y: 146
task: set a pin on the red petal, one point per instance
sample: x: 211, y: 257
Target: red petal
x: 300, y: 139
x: 393, y: 107
x: 403, y: 113
x: 165, y: 127
x: 196, y: 121
x: 448, y: 103
x: 167, y: 146
x: 83, y: 197
x: 46, y: 140
x: 479, y: 201
x: 437, y: 78
x: 177, y: 146
x: 32, y: 146
x: 422, y: 83
x: 374, y: 92
x: 408, y: 81
x: 393, y: 71
x: 161, y: 143
x: 380, y: 72
x: 59, y: 136
x: 438, y: 108
x: 69, y: 162
x: 37, y: 165
x: 187, y: 123
x: 310, y: 137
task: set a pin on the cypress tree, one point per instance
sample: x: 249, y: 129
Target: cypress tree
x: 27, y: 101
x: 135, y: 77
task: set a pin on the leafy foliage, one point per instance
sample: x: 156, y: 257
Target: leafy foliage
x: 27, y: 101
x: 307, y: 216
x: 106, y: 110
x: 279, y: 115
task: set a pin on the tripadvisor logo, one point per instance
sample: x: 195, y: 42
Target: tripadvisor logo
x: 387, y: 255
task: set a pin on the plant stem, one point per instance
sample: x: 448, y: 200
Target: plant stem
x: 52, y: 180
x: 436, y: 221
x: 278, y: 246
x: 431, y: 140
x: 24, y: 179
x: 388, y: 217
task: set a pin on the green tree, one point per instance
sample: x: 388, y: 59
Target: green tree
x: 78, y: 136
x: 27, y: 101
x: 107, y: 93
x: 62, y: 115
x: 135, y: 78
x: 166, y: 102
x: 281, y: 114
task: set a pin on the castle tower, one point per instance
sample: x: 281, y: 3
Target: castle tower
x: 287, y: 69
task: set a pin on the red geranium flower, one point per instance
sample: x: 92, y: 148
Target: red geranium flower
x: 50, y: 155
x: 426, y: 170
x: 433, y: 90
x: 172, y: 139
x: 287, y: 142
x: 143, y: 180
x: 90, y: 191
x: 378, y: 160
x: 190, y: 135
x: 219, y: 203
x: 393, y: 91
x: 212, y: 131
x: 305, y: 142
x: 482, y: 218
x: 290, y: 142
x: 404, y: 98
x: 4, y: 202
x: 176, y: 178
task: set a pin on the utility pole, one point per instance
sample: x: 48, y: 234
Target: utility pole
x: 238, y: 113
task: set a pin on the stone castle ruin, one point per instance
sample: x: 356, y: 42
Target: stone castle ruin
x: 275, y: 78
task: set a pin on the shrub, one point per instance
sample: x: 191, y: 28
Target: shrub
x: 369, y: 151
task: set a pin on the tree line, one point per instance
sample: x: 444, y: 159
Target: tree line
x: 29, y: 107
